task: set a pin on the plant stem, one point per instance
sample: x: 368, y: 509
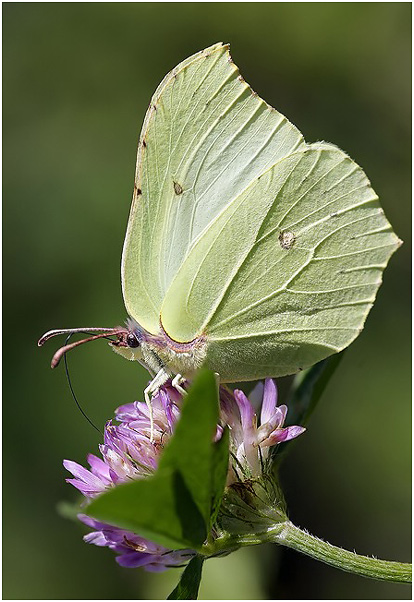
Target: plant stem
x: 293, y: 537
x: 287, y: 534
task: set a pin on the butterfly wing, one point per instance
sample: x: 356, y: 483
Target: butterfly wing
x: 286, y: 274
x: 206, y: 136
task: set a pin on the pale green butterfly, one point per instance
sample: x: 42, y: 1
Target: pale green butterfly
x: 247, y: 250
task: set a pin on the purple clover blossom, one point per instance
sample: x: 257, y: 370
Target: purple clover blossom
x: 133, y: 551
x: 250, y: 443
x: 129, y: 453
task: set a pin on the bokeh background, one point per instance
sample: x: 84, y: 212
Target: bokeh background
x: 77, y: 81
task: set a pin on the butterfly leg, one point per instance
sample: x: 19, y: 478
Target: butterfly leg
x: 176, y: 383
x: 159, y: 379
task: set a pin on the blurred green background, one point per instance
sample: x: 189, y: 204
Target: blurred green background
x: 77, y: 81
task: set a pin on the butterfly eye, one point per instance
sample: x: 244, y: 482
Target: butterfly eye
x: 132, y: 341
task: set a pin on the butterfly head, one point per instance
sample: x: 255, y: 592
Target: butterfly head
x: 128, y: 342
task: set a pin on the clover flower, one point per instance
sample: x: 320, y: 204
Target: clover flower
x: 129, y: 453
x: 250, y: 443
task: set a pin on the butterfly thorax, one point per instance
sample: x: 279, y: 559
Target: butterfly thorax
x: 184, y: 361
x: 159, y: 351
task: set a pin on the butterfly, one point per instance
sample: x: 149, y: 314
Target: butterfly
x: 247, y: 250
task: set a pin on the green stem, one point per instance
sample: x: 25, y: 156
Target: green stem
x: 286, y: 534
x: 304, y: 542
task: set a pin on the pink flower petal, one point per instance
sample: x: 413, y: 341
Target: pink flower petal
x: 99, y: 468
x: 269, y: 400
x: 280, y: 435
x: 246, y: 411
x: 84, y: 475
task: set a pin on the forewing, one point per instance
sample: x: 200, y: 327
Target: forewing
x: 205, y: 138
x: 286, y: 274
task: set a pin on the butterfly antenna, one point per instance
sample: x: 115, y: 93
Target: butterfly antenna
x: 84, y: 414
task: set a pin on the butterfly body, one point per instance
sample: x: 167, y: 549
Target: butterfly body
x: 247, y: 249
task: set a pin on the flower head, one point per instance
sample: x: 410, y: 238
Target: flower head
x: 129, y: 452
x: 251, y: 443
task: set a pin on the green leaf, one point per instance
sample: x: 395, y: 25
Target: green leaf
x: 220, y: 469
x: 306, y: 391
x: 191, y: 450
x: 308, y: 386
x: 187, y: 588
x: 174, y: 507
x: 159, y: 508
